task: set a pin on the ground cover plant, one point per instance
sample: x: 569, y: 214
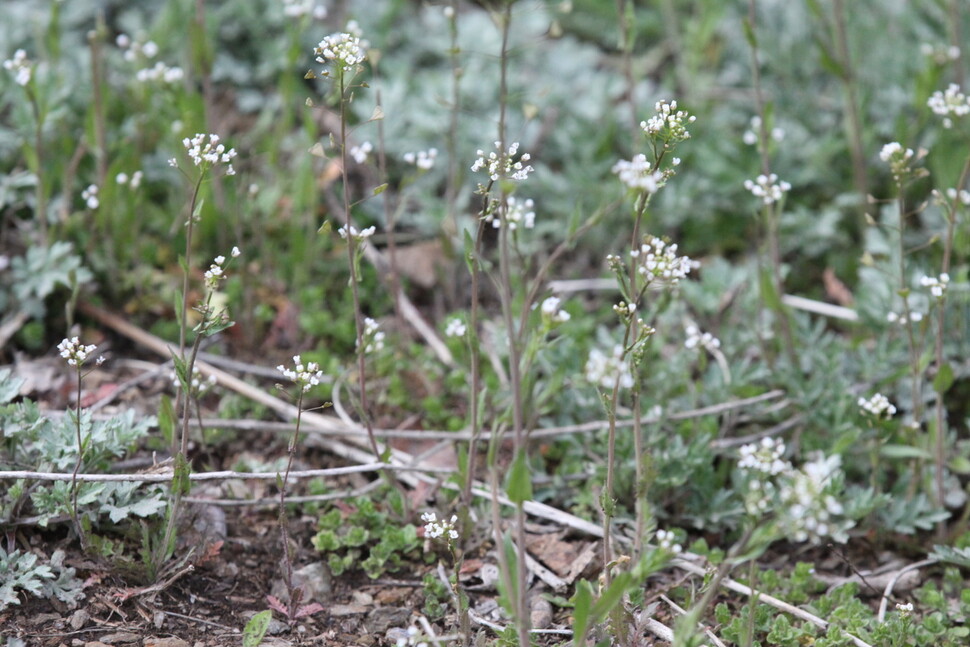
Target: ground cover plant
x: 505, y: 323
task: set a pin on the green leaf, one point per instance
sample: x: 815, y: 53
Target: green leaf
x: 520, y: 480
x: 256, y: 628
x: 904, y: 451
x: 166, y: 419
x: 944, y: 378
x: 380, y: 189
x: 582, y: 603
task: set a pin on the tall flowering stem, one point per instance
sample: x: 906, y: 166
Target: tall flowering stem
x: 76, y: 354
x: 305, y: 377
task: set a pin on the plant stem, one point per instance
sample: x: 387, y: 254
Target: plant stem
x: 284, y: 530
x: 853, y: 120
x: 77, y: 466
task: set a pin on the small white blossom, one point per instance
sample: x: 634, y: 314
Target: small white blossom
x: 359, y: 236
x: 914, y: 317
x: 658, y: 263
x: 667, y: 541
x: 503, y: 165
x: 517, y: 212
x: 160, y: 72
x: 198, y: 385
x: 360, y: 153
x: 764, y: 457
x: 768, y: 188
x: 235, y: 252
x: 343, y: 49
x: 75, y: 352
x: 695, y: 339
x: 90, y: 196
x: 606, y: 370
x: 878, y: 406
x: 410, y: 638
x: 21, y: 67
x: 300, y: 8
x: 455, y: 328
x: 373, y: 336
x: 551, y: 311
x: 963, y: 195
x: 207, y: 150
x: 669, y: 123
x: 637, y: 174
x: 216, y: 271
x: 904, y: 609
x: 950, y: 102
x: 434, y: 529
x: 422, y: 159
x: 304, y: 376
x: 937, y: 285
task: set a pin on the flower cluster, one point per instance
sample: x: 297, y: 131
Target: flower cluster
x: 941, y: 54
x: 659, y: 264
x: 216, y: 270
x: 914, y: 316
x: 198, y: 385
x: 963, y: 195
x: 669, y: 124
x: 455, y: 328
x: 134, y: 180
x: 160, y: 72
x: 695, y: 339
x: 551, y: 312
x: 207, y: 150
x: 638, y: 174
x: 607, y: 370
x: 77, y: 353
x: 668, y: 541
x: 768, y: 188
x: 304, y: 376
x: 21, y: 67
x: 751, y: 136
x: 878, y: 406
x: 134, y: 49
x: 764, y: 457
x: 503, y: 165
x: 897, y: 157
x: 360, y: 153
x: 373, y: 336
x: 949, y: 103
x: 516, y: 213
x: 434, y: 529
x: 937, y: 284
x: 802, y: 500
x: 90, y: 196
x: 343, y: 49
x: 359, y: 236
x: 422, y: 159
x: 300, y: 8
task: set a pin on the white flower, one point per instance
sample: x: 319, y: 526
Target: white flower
x: 950, y: 102
x: 902, y: 319
x: 936, y: 285
x: 21, y: 66
x: 764, y: 457
x: 305, y: 376
x: 667, y: 541
x: 360, y: 153
x: 636, y: 174
x: 343, y: 49
x: 160, y: 72
x: 207, y: 150
x: 606, y: 370
x: 768, y: 188
x: 516, y: 213
x: 669, y: 123
x: 422, y: 159
x: 878, y: 406
x: 695, y: 338
x: 658, y: 263
x: 359, y: 236
x: 434, y: 529
x: 235, y: 252
x: 502, y: 165
x: 90, y: 196
x: 455, y: 328
x: 75, y: 352
x: 551, y: 311
x: 963, y: 195
x: 373, y: 336
x: 300, y: 8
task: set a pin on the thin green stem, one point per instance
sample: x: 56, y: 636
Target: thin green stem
x: 284, y: 530
x: 75, y: 518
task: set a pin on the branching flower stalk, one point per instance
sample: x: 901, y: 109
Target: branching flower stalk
x: 76, y: 355
x: 346, y: 52
x: 22, y: 68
